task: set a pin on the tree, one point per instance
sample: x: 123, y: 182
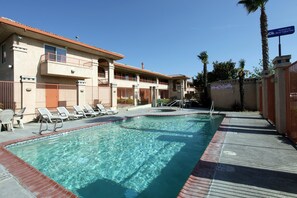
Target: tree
x: 241, y: 75
x: 204, y: 59
x: 253, y: 6
x: 257, y: 70
x: 223, y: 71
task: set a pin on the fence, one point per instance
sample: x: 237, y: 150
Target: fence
x: 10, y: 94
x: 50, y: 95
x: 271, y: 98
x: 291, y: 101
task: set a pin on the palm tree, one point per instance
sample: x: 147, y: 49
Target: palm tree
x: 204, y: 59
x: 241, y: 78
x: 253, y: 6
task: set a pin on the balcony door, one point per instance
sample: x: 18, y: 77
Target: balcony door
x: 55, y: 53
x: 52, y: 95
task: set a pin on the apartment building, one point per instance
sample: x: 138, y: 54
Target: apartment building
x: 42, y: 69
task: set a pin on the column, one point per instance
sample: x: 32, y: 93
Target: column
x: 28, y: 97
x: 81, y: 92
x: 114, y: 101
x: 110, y: 73
x: 152, y: 95
x: 264, y: 96
x: 135, y: 95
x: 280, y: 63
x: 182, y: 89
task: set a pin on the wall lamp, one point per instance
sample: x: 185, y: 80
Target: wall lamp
x: 10, y: 66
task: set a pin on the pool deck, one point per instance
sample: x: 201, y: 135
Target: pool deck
x: 246, y: 158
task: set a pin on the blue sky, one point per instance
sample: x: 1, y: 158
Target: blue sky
x: 166, y: 35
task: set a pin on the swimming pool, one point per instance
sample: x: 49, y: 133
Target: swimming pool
x: 138, y: 157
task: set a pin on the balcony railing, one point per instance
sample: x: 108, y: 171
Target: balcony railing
x: 163, y: 83
x: 147, y: 80
x: 125, y: 78
x: 65, y: 59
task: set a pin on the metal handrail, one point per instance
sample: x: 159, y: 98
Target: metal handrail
x: 211, y: 110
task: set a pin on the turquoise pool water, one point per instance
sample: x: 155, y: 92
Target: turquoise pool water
x: 138, y: 157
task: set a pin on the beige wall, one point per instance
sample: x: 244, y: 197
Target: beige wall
x: 225, y: 94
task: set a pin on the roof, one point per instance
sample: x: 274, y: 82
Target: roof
x: 139, y: 70
x: 8, y: 27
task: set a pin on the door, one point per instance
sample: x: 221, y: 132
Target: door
x: 51, y: 95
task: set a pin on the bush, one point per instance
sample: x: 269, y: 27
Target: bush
x: 125, y: 101
x: 162, y: 102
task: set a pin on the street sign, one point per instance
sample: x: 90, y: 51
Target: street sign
x: 281, y: 31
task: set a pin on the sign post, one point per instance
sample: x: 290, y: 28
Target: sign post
x: 280, y: 32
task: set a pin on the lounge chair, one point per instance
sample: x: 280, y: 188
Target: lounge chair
x: 46, y: 116
x: 65, y: 113
x: 78, y: 110
x: 103, y: 110
x: 19, y: 117
x: 6, y: 117
x: 89, y: 109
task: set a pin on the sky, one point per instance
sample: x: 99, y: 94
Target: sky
x: 166, y: 35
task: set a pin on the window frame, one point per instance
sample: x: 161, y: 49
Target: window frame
x: 61, y: 58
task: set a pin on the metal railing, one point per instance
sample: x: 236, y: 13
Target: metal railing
x: 66, y: 59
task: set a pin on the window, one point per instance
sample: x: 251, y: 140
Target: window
x: 3, y: 53
x: 55, y: 54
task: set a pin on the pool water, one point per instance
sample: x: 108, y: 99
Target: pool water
x: 138, y: 157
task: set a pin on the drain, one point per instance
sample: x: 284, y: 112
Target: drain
x: 229, y: 153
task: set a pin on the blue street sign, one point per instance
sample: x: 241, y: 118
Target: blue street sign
x: 281, y: 31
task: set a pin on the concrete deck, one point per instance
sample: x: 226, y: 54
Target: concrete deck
x: 246, y: 158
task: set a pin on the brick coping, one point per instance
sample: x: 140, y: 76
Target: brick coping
x: 42, y: 186
x: 200, y: 180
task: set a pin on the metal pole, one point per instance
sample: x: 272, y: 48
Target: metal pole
x: 279, y: 47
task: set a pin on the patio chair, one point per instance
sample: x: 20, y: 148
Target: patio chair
x: 103, y: 110
x: 6, y: 117
x: 89, y: 109
x: 46, y: 116
x: 78, y: 110
x: 19, y: 117
x: 65, y: 113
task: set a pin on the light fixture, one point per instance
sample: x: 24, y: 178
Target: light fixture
x: 10, y: 66
x: 19, y: 38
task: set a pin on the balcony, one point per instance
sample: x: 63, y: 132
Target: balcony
x: 63, y: 66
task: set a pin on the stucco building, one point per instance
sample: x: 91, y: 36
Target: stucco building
x: 42, y: 69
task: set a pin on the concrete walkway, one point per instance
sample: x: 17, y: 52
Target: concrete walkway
x: 253, y: 161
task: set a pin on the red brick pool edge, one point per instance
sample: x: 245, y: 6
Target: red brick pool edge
x: 199, y: 182
x: 29, y: 177
x: 197, y: 185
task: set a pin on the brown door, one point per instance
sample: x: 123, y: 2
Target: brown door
x: 52, y: 96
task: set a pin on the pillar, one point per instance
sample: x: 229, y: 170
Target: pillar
x: 153, y: 95
x: 264, y: 96
x: 114, y: 101
x: 182, y: 92
x: 111, y: 73
x: 81, y: 92
x: 28, y: 97
x: 135, y: 95
x: 280, y: 63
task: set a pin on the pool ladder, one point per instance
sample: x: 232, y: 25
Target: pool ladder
x: 211, y: 110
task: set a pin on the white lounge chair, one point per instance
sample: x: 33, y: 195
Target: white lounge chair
x: 6, y: 117
x: 19, y: 117
x: 46, y: 116
x: 78, y: 110
x: 65, y: 113
x: 103, y: 110
x: 89, y: 109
